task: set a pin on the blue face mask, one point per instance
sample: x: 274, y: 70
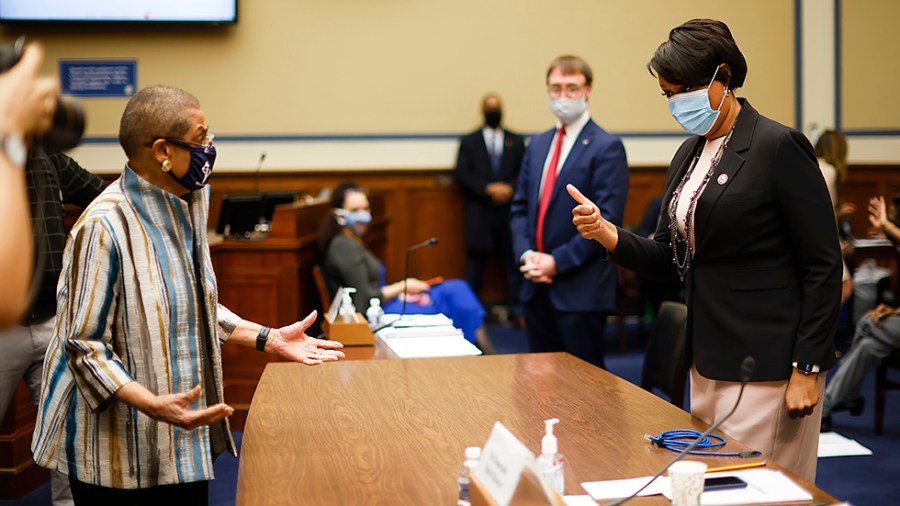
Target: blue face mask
x: 692, y: 109
x: 349, y: 220
x: 202, y: 160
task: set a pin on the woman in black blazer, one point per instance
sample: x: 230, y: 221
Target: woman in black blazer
x: 747, y: 224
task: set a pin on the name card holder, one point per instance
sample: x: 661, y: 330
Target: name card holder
x: 355, y: 333
x: 529, y: 492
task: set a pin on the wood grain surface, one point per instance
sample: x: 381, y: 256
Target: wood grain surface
x: 393, y: 432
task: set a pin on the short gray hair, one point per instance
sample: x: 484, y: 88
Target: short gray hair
x: 154, y: 112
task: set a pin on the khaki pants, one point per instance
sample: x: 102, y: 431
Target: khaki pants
x: 761, y: 420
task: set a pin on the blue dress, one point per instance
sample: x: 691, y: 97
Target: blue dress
x: 453, y: 297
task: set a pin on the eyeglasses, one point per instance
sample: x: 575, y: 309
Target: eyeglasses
x: 206, y: 144
x: 570, y: 90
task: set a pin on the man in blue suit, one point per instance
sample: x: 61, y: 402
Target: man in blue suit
x: 568, y: 289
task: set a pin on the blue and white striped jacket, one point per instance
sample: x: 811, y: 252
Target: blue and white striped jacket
x: 130, y: 310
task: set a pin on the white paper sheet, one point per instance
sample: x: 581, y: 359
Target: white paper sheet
x: 434, y: 346
x: 579, y: 500
x: 763, y: 486
x: 615, y: 489
x: 417, y: 320
x: 832, y: 444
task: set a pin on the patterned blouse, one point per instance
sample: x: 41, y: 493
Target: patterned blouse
x: 130, y: 310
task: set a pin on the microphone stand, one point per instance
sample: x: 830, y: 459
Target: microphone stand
x: 262, y: 158
x: 747, y: 368
x: 429, y: 242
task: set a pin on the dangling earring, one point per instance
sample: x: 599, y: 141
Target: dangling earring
x: 167, y: 165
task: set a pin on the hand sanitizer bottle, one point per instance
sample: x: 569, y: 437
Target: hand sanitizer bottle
x: 375, y: 313
x: 473, y: 453
x: 348, y: 310
x: 550, y: 463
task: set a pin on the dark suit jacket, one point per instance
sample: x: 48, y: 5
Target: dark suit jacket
x: 598, y: 167
x: 766, y: 277
x: 474, y: 172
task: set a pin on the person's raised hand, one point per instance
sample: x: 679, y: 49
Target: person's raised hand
x: 586, y: 215
x: 27, y: 101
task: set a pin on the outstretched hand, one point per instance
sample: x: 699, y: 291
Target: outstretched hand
x: 174, y: 409
x: 293, y: 343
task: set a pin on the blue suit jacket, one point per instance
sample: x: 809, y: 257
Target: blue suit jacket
x: 597, y: 166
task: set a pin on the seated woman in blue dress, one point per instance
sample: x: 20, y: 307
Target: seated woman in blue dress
x: 347, y: 262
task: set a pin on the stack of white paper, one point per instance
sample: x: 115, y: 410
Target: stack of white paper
x: 440, y: 346
x: 409, y: 332
x: 419, y: 336
x: 417, y: 320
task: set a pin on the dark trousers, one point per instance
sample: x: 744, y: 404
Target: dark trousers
x: 549, y: 329
x: 477, y: 261
x: 194, y: 493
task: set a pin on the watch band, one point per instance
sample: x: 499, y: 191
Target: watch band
x: 261, y: 338
x: 806, y: 368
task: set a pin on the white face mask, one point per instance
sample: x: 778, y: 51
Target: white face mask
x: 568, y: 110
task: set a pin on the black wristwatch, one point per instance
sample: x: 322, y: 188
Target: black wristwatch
x: 261, y: 338
x: 806, y: 368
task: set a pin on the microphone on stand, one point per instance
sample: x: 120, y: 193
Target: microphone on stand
x: 747, y: 368
x: 429, y: 242
x: 262, y: 158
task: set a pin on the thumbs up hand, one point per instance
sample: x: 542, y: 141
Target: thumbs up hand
x: 586, y: 215
x: 590, y: 223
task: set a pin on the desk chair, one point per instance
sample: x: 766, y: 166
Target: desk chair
x: 324, y: 295
x: 882, y: 385
x: 665, y: 365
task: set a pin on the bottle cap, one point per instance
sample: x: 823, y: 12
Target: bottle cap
x: 374, y: 301
x: 473, y: 453
x: 548, y: 443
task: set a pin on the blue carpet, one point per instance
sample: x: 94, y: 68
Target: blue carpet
x: 860, y: 481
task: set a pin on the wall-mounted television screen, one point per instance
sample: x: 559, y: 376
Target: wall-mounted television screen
x: 165, y: 11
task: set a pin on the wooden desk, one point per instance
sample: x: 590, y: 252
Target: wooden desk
x: 393, y: 431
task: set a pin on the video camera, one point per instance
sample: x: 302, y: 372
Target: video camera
x: 68, y: 116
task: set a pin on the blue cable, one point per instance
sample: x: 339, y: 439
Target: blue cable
x: 678, y: 440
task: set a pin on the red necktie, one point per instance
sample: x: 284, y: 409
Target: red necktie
x: 547, y: 189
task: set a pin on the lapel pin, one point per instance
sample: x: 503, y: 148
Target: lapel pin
x: 585, y: 142
x: 722, y: 179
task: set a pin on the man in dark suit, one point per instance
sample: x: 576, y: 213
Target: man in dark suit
x: 487, y: 168
x: 568, y: 289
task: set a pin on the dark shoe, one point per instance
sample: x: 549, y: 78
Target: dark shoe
x: 826, y: 423
x: 854, y: 406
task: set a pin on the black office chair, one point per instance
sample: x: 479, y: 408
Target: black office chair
x: 882, y: 385
x: 665, y: 366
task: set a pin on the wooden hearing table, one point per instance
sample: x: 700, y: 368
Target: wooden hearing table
x: 393, y: 432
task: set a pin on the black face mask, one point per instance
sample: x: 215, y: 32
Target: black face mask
x: 492, y: 118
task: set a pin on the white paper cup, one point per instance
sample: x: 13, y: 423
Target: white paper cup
x: 687, y: 482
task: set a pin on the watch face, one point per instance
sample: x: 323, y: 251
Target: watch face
x: 15, y: 150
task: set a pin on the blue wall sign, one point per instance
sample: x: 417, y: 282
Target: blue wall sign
x: 98, y: 78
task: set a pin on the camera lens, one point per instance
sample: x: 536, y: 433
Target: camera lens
x: 68, y: 125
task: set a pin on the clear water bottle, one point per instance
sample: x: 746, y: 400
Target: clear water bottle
x: 473, y: 453
x: 375, y: 313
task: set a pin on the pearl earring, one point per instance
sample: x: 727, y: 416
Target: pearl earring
x: 167, y: 165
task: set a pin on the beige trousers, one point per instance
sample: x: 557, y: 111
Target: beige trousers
x: 761, y: 420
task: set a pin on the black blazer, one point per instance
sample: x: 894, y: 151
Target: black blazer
x: 474, y: 172
x: 766, y: 274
